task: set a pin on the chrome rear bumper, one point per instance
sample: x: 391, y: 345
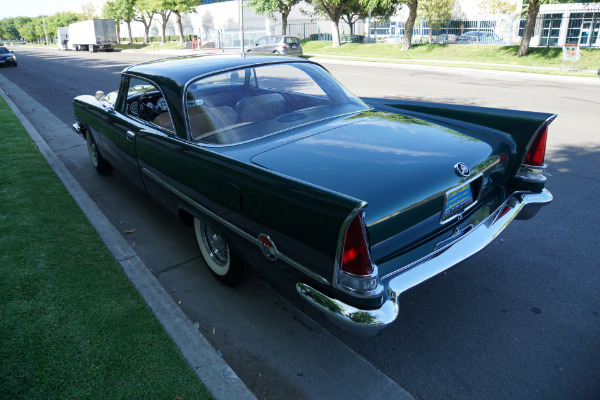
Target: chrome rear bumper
x: 369, y: 322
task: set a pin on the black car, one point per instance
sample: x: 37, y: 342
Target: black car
x: 7, y: 57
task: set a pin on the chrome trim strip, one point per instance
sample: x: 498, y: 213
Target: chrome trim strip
x: 369, y: 322
x: 235, y: 228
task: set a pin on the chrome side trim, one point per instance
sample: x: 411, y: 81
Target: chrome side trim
x: 235, y: 228
x: 369, y: 322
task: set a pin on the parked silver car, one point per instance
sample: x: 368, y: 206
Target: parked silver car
x: 480, y: 37
x: 288, y: 45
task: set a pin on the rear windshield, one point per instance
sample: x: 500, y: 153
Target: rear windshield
x: 250, y: 103
x: 292, y: 40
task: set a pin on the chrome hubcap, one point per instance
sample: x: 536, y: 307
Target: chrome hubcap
x: 92, y: 150
x: 216, y: 245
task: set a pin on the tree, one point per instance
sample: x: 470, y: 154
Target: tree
x: 361, y: 9
x: 164, y: 14
x: 410, y: 23
x: 8, y: 29
x: 269, y: 7
x: 532, y: 12
x: 533, y: 9
x: 498, y: 7
x: 332, y: 9
x: 88, y: 11
x: 178, y: 7
x: 145, y: 13
x: 59, y: 19
x: 435, y: 11
x: 120, y: 10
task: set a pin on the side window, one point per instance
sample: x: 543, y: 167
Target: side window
x: 261, y: 42
x: 274, y: 39
x: 146, y: 102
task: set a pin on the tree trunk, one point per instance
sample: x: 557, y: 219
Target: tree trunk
x: 534, y: 8
x: 118, y: 24
x: 179, y: 25
x: 129, y: 31
x: 410, y: 23
x: 335, y: 33
x: 146, y: 33
x: 284, y: 17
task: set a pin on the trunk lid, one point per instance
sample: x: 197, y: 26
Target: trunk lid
x: 401, y: 166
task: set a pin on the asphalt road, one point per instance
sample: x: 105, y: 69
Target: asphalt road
x: 521, y: 319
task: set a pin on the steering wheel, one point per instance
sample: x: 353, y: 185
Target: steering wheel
x: 145, y: 112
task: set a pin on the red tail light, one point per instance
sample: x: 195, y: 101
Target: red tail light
x: 355, y: 256
x: 537, y: 151
x: 284, y: 47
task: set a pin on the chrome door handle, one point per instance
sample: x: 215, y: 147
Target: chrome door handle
x: 130, y: 136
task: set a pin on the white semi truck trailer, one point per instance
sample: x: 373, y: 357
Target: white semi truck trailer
x: 92, y: 35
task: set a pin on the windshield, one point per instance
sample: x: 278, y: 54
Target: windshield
x: 250, y: 103
x: 4, y: 50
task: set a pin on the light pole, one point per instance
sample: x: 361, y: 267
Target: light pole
x: 43, y: 22
x: 45, y: 32
x: 241, y: 5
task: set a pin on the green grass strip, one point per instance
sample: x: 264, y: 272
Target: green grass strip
x: 539, y: 60
x: 71, y: 324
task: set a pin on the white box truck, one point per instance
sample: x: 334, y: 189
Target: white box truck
x: 93, y: 35
x: 62, y: 34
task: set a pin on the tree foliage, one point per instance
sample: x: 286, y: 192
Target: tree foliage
x: 435, y: 11
x: 178, y: 7
x: 270, y: 7
x: 88, y: 11
x: 362, y: 9
x: 333, y: 10
x: 120, y: 11
x: 145, y: 10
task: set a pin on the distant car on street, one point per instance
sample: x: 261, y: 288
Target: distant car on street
x: 479, y: 37
x: 288, y: 45
x: 7, y: 57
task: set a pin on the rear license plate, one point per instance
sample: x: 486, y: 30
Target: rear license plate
x: 457, y: 200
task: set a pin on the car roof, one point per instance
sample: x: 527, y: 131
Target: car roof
x: 181, y: 70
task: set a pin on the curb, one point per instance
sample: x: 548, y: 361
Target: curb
x: 213, y: 371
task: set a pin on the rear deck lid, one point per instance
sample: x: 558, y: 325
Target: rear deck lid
x: 402, y: 166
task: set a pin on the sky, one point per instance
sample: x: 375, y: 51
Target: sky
x: 35, y: 8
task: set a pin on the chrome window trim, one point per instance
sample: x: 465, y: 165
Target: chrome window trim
x: 143, y: 121
x: 257, y: 65
x: 254, y: 240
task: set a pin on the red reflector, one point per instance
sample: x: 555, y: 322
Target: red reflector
x: 355, y: 258
x: 537, y: 151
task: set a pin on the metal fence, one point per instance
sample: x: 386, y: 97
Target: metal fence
x: 551, y: 30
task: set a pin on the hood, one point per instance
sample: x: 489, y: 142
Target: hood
x: 401, y: 166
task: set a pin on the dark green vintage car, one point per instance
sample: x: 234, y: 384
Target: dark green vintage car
x: 280, y: 169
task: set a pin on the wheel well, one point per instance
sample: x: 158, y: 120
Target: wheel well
x: 185, y: 217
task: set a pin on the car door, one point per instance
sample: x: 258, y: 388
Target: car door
x: 273, y: 44
x: 126, y: 123
x: 259, y: 46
